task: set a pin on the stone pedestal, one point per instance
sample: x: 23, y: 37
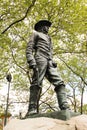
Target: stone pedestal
x: 62, y: 115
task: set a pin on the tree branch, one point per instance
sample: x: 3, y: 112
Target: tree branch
x: 26, y: 71
x: 29, y: 8
x: 69, y: 52
x: 16, y: 62
x: 46, y: 90
x: 48, y: 105
x: 74, y: 71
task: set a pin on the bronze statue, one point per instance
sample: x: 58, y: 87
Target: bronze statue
x: 39, y: 54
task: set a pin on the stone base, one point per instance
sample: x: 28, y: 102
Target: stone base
x: 45, y: 123
x: 62, y: 115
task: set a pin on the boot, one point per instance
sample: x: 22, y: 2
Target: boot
x: 38, y: 99
x: 33, y: 107
x: 61, y: 97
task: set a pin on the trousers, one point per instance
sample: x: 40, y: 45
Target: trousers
x: 46, y: 69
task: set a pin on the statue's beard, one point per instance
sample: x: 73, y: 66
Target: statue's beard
x: 44, y: 30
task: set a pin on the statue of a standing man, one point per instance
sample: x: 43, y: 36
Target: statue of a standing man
x: 39, y: 57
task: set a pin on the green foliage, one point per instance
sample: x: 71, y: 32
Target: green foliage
x: 85, y: 108
x: 68, y: 32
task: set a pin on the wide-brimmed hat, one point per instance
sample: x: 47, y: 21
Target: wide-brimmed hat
x: 42, y: 23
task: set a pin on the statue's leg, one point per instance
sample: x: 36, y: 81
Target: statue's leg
x: 35, y: 92
x: 53, y: 77
x: 61, y: 97
x: 36, y: 86
x: 39, y: 95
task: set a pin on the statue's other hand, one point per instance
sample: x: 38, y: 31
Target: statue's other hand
x: 34, y: 67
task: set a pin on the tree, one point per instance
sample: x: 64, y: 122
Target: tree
x: 68, y: 31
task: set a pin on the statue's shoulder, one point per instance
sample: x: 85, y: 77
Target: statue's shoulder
x: 37, y: 33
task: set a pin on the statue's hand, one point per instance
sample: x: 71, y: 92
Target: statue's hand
x: 32, y: 66
x: 35, y: 68
x: 54, y: 64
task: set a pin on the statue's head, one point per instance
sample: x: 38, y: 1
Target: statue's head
x: 42, y: 26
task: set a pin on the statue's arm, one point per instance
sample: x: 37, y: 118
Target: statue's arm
x: 29, y: 51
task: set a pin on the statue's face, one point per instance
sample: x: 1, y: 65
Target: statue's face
x: 45, y: 29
